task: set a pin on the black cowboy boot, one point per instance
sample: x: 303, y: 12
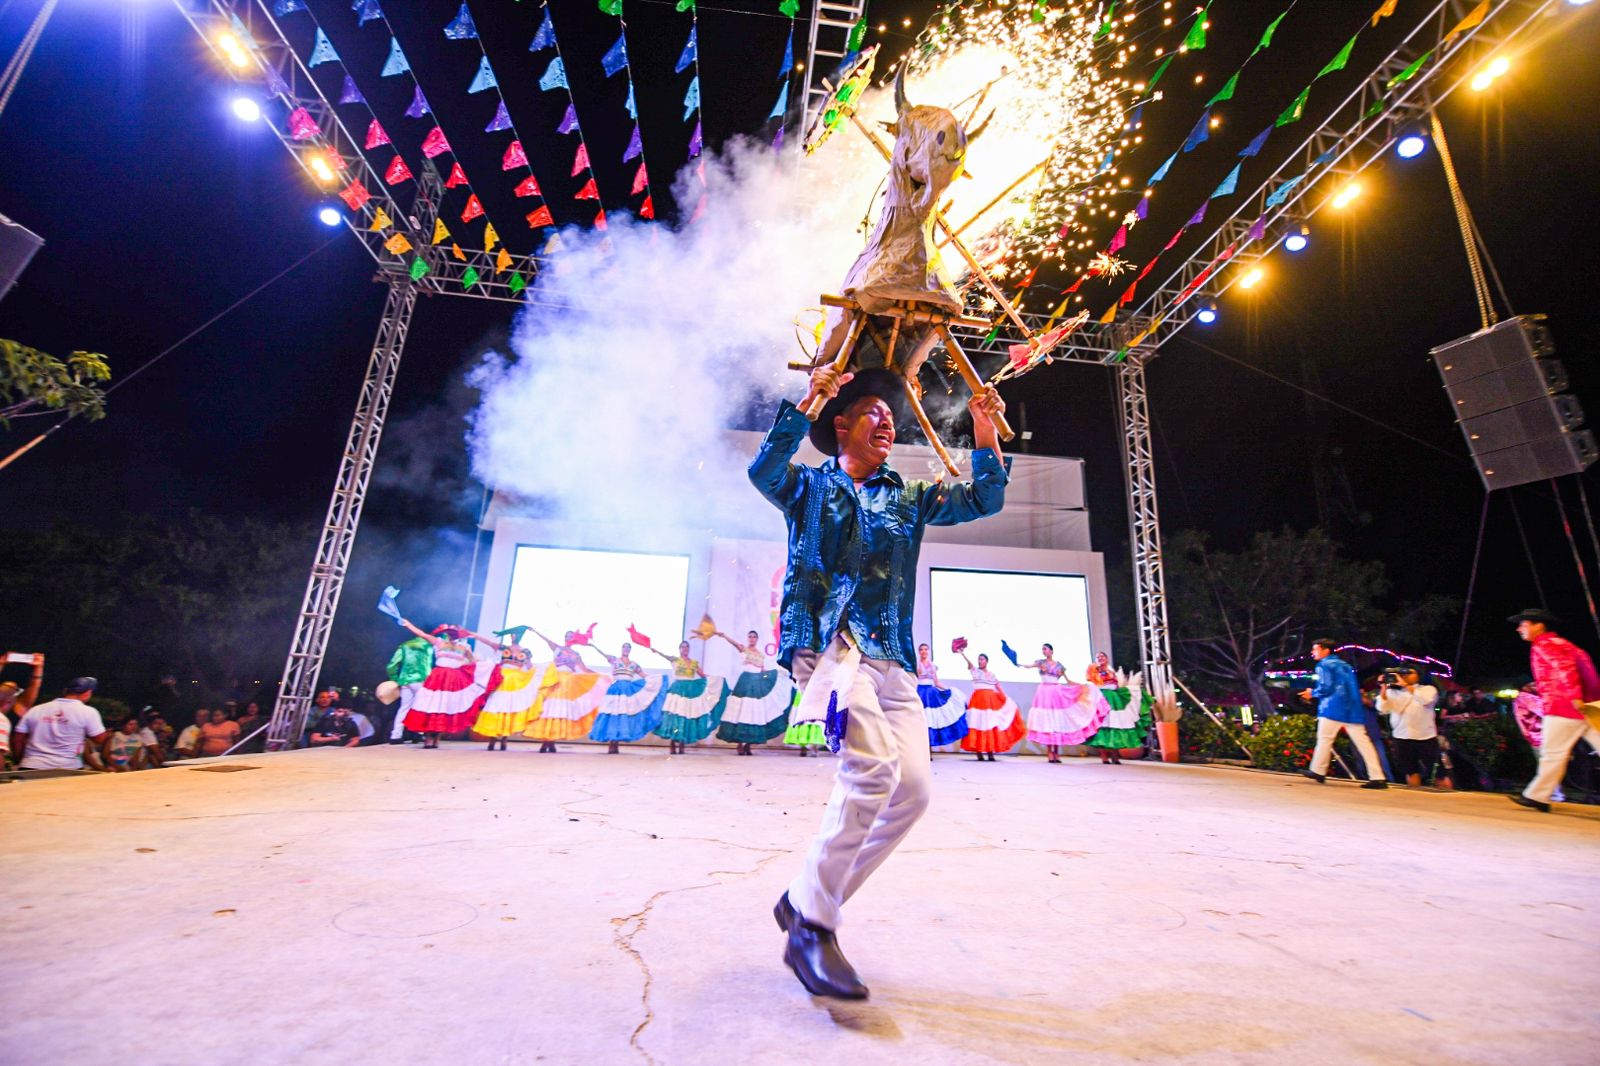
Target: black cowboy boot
x: 813, y: 954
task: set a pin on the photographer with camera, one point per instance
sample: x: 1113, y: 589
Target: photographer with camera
x: 1411, y: 706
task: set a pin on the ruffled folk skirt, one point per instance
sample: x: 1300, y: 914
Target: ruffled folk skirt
x: 630, y: 710
x: 693, y: 709
x: 1066, y: 714
x: 567, y: 705
x: 947, y: 718
x: 508, y: 706
x: 1128, y: 724
x: 758, y: 709
x: 445, y: 704
x: 993, y: 722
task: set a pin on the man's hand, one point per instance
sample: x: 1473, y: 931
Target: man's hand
x: 1305, y: 694
x: 826, y: 383
x: 983, y: 408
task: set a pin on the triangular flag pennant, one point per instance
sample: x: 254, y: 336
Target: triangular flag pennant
x: 1281, y: 193
x: 569, y: 121
x: 1256, y: 145
x: 457, y: 176
x: 641, y: 180
x: 611, y: 7
x: 1105, y: 164
x: 455, y: 250
x: 1127, y: 297
x: 788, y: 57
x: 398, y: 244
x: 381, y: 221
x: 588, y: 192
x: 461, y: 27
x: 419, y: 105
x: 439, y: 231
x: 514, y: 157
x: 302, y: 127
x: 551, y: 246
x: 474, y: 209
x: 696, y: 143
x: 1411, y: 71
x: 375, y: 135
x: 1384, y: 11
x: 501, y: 120
x: 1229, y: 183
x: 288, y: 7
x: 691, y: 53
x: 275, y: 83
x: 1197, y: 33
x: 1226, y: 92
x: 1110, y: 316
x: 1176, y: 237
x: 684, y: 5
x: 648, y: 208
x: 516, y: 284
x: 418, y: 268
x: 1198, y: 217
x: 546, y: 35
x: 1293, y: 112
x: 322, y: 50
x: 1338, y: 61
x: 540, y: 216
x: 600, y: 220
x: 1143, y: 210
x: 777, y: 140
x: 633, y: 108
x: 1258, y: 229
x: 351, y: 94
x: 783, y: 103
x: 1109, y: 24
x: 691, y: 99
x: 484, y: 78
x: 1200, y: 133
x: 555, y: 76
x: 369, y: 10
x: 396, y: 63
x: 635, y: 145
x: 1162, y: 172
x: 355, y: 194
x: 1475, y: 16
x: 434, y: 143
x: 1266, y: 38
x: 580, y: 160
x: 528, y: 186
x: 616, y: 56
x: 790, y: 8
x: 1118, y: 239
x: 469, y: 278
x: 397, y: 172
x: 490, y: 237
x: 1162, y: 69
x: 502, y: 260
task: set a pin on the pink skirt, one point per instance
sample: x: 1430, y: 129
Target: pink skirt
x: 1066, y: 714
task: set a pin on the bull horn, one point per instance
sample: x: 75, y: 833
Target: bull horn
x: 900, y: 104
x: 974, y: 134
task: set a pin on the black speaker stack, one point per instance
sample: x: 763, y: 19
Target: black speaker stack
x: 1511, y: 401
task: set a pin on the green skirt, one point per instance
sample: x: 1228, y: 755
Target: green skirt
x: 1116, y: 737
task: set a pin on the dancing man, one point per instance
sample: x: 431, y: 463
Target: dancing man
x: 855, y: 527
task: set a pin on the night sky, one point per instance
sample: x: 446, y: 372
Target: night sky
x: 160, y: 209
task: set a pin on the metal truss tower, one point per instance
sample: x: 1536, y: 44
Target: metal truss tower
x: 827, y: 44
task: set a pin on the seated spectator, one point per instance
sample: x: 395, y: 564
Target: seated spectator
x: 52, y: 736
x: 336, y: 729
x: 217, y: 735
x: 187, y: 746
x: 250, y: 720
x: 156, y: 737
x: 364, y: 726
x: 123, y: 749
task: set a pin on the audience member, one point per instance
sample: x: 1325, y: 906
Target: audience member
x: 1411, y: 706
x: 336, y: 728
x: 123, y: 749
x: 155, y: 743
x: 187, y: 746
x: 51, y: 736
x: 217, y: 735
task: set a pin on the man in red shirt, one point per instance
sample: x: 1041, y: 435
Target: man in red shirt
x: 1567, y: 680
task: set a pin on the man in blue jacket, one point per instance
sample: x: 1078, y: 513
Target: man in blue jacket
x: 1339, y: 707
x: 855, y: 528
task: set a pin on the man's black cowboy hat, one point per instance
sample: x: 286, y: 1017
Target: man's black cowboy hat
x: 883, y: 383
x: 1535, y: 614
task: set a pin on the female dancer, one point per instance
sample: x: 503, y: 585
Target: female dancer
x: 694, y: 703
x: 804, y: 735
x: 507, y: 705
x: 632, y: 705
x: 1100, y: 672
x: 1127, y: 723
x: 758, y: 706
x: 569, y: 696
x: 1063, y: 712
x: 993, y: 722
x: 947, y: 722
x: 451, y: 688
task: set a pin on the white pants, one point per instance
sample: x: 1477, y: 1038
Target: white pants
x: 1328, y: 731
x: 879, y: 792
x: 408, y: 696
x: 1561, y: 735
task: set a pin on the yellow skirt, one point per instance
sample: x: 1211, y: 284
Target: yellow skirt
x: 511, y: 706
x: 566, y: 705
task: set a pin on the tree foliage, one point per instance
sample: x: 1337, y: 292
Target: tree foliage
x: 34, y: 383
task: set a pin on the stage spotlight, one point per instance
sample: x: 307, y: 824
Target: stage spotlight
x: 1207, y: 313
x: 246, y: 109
x: 1346, y: 195
x: 1490, y: 74
x: 234, y: 49
x: 1411, y: 140
x: 319, y: 167
x: 1252, y: 278
x: 1577, y: 3
x: 1298, y: 238
x: 329, y: 215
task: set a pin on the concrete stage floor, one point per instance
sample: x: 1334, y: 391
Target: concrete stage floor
x: 392, y: 905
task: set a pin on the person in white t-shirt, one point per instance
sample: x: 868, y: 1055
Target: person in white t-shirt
x: 1410, y: 706
x: 51, y: 735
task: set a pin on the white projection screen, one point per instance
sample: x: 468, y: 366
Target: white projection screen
x: 557, y: 589
x: 1023, y: 609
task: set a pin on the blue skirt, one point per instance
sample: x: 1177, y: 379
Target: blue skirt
x: 617, y: 723
x: 947, y: 722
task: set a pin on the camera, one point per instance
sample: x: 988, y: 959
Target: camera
x: 1391, y: 679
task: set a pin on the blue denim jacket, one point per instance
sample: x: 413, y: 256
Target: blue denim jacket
x: 853, y: 555
x: 1337, y: 692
